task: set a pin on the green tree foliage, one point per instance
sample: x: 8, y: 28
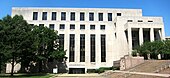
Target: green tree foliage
x: 154, y: 48
x: 47, y: 45
x: 23, y: 43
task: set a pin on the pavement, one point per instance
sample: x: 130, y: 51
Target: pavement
x: 143, y: 73
x: 93, y: 75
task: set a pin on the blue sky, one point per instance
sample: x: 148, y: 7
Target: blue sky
x: 149, y: 7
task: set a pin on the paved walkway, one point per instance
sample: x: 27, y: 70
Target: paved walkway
x: 143, y: 73
x: 94, y: 75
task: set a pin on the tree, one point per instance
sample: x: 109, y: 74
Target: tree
x: 152, y: 48
x: 14, y: 35
x: 23, y: 43
x: 47, y: 45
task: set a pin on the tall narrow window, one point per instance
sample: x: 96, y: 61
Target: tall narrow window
x: 92, y: 48
x: 82, y: 16
x: 109, y: 16
x: 35, y: 15
x: 82, y: 47
x: 72, y: 48
x: 100, y: 16
x: 91, y: 16
x: 103, y: 48
x: 44, y: 16
x: 72, y: 16
x: 63, y: 15
x: 61, y: 41
x: 51, y: 26
x: 54, y: 15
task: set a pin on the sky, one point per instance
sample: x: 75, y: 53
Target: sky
x: 149, y: 7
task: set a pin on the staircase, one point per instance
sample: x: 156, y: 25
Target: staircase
x: 149, y: 66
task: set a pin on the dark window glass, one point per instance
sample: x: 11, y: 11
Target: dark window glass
x: 109, y: 16
x: 72, y: 16
x: 119, y: 14
x: 54, y: 15
x: 82, y: 47
x: 41, y: 25
x: 100, y: 17
x: 103, y: 48
x: 35, y: 15
x: 72, y: 48
x: 63, y: 15
x: 62, y: 26
x: 51, y: 26
x: 92, y: 48
x: 91, y: 16
x: 44, y: 16
x: 102, y: 27
x: 140, y: 20
x: 72, y: 26
x: 150, y: 21
x: 82, y: 26
x: 81, y: 16
x: 115, y: 35
x: 61, y: 41
x: 92, y: 27
x: 129, y: 20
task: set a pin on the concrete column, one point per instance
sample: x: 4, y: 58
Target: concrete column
x: 163, y: 33
x: 130, y: 40
x: 140, y: 36
x: 151, y: 34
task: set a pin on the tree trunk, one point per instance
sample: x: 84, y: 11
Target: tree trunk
x: 12, y: 70
x: 40, y: 67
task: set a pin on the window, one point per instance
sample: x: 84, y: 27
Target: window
x: 44, y: 16
x: 72, y: 16
x: 54, y: 14
x: 102, y: 27
x: 109, y: 16
x: 41, y: 25
x: 72, y: 26
x: 82, y: 47
x: 92, y: 48
x: 100, y: 17
x: 62, y: 26
x: 150, y: 21
x: 115, y: 35
x: 92, y: 27
x: 71, y: 47
x: 61, y: 41
x: 63, y: 15
x: 119, y: 14
x: 82, y: 16
x: 35, y: 15
x: 103, y: 48
x: 91, y: 16
x: 82, y: 26
x: 140, y: 20
x: 51, y: 26
x: 129, y: 20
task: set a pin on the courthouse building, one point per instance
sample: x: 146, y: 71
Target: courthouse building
x: 95, y: 37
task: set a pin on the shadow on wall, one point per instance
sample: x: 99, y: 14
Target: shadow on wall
x: 34, y: 67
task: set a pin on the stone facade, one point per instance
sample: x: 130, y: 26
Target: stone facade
x: 124, y: 29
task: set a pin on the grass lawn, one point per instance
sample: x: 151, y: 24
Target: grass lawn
x: 26, y: 75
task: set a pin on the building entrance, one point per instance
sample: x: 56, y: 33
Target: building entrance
x: 76, y: 70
